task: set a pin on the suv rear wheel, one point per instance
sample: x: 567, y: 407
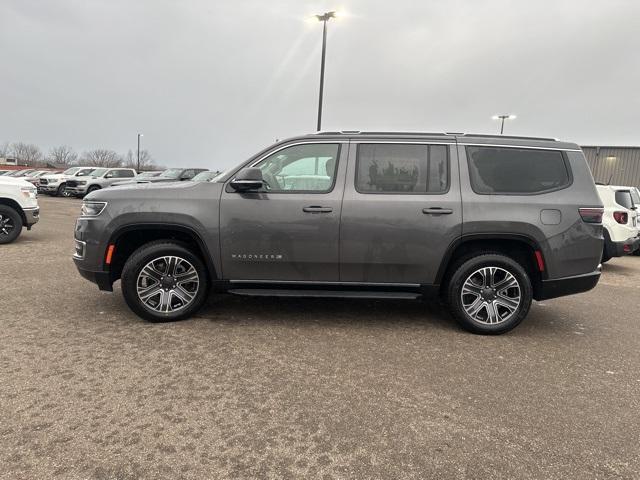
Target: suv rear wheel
x: 164, y: 281
x: 489, y: 294
x: 10, y: 224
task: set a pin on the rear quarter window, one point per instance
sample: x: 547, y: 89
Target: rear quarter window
x: 524, y: 171
x: 623, y: 198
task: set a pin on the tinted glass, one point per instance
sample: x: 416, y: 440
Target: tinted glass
x: 623, y: 198
x: 171, y: 173
x: 397, y: 168
x: 516, y: 170
x: 301, y: 168
x: 84, y: 172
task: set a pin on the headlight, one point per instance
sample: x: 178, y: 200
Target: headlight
x: 28, y: 192
x: 52, y: 180
x: 92, y: 209
x: 84, y: 182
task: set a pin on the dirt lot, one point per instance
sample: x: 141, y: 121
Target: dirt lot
x: 281, y: 388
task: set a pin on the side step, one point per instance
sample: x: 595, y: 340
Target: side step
x: 281, y: 292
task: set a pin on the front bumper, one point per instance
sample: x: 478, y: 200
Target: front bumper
x: 560, y: 287
x: 31, y: 215
x: 48, y: 188
x: 102, y: 279
x: 77, y: 191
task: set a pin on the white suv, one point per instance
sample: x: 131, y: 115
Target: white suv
x: 18, y: 207
x: 620, y: 221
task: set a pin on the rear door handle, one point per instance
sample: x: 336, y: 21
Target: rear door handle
x: 317, y: 209
x: 437, y: 211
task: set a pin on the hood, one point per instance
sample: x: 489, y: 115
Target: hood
x: 19, y: 182
x: 149, y: 190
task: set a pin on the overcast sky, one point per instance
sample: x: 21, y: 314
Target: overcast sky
x: 209, y: 82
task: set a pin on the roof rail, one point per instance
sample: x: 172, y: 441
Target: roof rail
x: 425, y: 134
x: 517, y: 137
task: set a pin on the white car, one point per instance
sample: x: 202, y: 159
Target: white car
x: 57, y: 184
x: 18, y: 208
x: 620, y: 221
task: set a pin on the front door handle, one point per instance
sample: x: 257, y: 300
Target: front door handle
x: 317, y: 209
x: 437, y: 211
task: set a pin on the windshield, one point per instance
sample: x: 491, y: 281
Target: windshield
x: 171, y: 173
x: 148, y: 174
x: 71, y: 171
x: 85, y: 172
x: 203, y: 176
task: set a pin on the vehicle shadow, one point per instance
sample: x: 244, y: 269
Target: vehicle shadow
x: 327, y: 311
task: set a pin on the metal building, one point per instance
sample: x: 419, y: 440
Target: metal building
x: 614, y: 165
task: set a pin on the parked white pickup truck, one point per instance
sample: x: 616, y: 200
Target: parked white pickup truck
x: 18, y: 207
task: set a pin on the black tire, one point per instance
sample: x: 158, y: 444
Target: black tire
x: 11, y: 223
x: 140, y: 259
x: 61, y: 190
x: 605, y: 257
x: 505, y: 319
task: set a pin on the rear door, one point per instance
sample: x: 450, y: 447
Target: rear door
x: 401, y: 210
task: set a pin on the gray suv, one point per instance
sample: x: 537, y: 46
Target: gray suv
x: 488, y: 223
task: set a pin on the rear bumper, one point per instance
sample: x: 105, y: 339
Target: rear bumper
x: 620, y: 249
x: 561, y: 287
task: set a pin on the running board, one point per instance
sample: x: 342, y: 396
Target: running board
x: 281, y: 292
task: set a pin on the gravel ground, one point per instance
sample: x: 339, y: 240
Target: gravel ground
x: 287, y: 388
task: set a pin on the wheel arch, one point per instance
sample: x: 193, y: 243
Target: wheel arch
x: 9, y: 202
x: 521, y: 248
x: 127, y: 239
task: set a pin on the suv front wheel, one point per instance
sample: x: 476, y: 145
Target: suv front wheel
x: 489, y: 294
x: 164, y: 281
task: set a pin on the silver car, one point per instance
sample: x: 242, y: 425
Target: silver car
x: 99, y: 178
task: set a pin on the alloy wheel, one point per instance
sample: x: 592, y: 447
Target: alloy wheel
x: 491, y: 295
x: 167, y: 284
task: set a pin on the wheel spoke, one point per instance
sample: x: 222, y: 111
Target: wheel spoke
x: 151, y: 272
x: 471, y: 289
x: 183, y: 294
x: 509, y: 303
x: 492, y: 313
x: 187, y: 276
x: 149, y: 292
x: 508, y: 282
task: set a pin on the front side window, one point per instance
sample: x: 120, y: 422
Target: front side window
x: 506, y: 170
x: 85, y: 172
x: 402, y: 168
x: 301, y: 168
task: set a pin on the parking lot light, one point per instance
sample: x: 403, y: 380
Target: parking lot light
x: 502, y: 118
x: 324, y: 18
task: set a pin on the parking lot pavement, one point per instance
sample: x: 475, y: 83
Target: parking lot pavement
x: 282, y: 388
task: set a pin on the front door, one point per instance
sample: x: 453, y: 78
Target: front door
x: 289, y: 230
x: 401, y: 211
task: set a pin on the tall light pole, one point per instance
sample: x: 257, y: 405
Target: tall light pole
x: 139, y: 135
x: 324, y: 18
x: 502, y: 118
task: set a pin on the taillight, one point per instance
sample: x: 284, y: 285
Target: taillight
x: 621, y: 217
x: 591, y: 215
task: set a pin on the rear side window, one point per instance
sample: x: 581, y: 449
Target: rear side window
x: 398, y: 168
x: 623, y: 198
x: 635, y: 197
x: 516, y: 170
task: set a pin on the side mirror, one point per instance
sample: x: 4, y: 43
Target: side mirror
x: 247, y: 180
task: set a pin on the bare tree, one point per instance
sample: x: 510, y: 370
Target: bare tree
x: 101, y: 157
x: 5, y: 149
x: 146, y: 160
x: 62, y: 155
x: 26, y: 153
